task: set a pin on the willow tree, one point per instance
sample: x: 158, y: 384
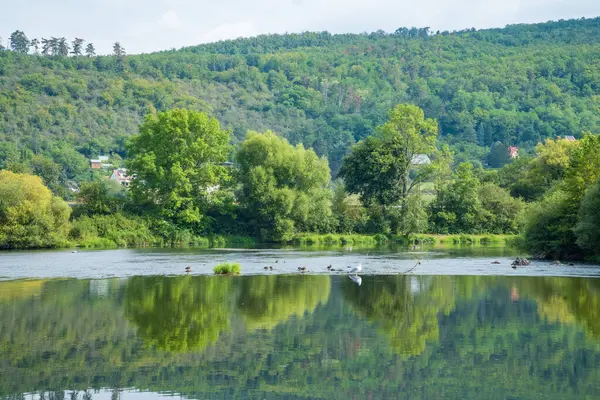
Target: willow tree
x: 283, y: 188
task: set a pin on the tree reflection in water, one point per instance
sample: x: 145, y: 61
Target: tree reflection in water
x: 415, y: 337
x: 179, y: 314
x: 404, y: 307
x: 265, y: 301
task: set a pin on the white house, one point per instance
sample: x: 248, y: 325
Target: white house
x: 120, y: 175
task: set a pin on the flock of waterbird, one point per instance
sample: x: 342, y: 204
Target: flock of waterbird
x: 353, y: 271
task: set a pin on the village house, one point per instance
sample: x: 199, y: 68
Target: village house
x: 100, y: 162
x: 120, y: 175
x: 568, y: 138
x: 513, y: 152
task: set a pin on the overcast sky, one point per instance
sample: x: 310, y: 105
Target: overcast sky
x: 149, y: 25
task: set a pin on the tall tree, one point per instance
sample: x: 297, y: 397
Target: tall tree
x: 90, y: 51
x: 19, y: 42
x: 62, y: 47
x: 414, y: 135
x: 374, y: 170
x: 53, y: 42
x: 283, y: 188
x: 77, y: 47
x: 481, y: 135
x: 399, y: 142
x: 176, y: 163
x: 457, y: 208
x: 498, y: 155
x: 48, y: 170
x: 47, y: 46
x: 35, y: 46
x: 118, y: 50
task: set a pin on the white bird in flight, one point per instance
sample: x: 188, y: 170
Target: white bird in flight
x: 356, y: 269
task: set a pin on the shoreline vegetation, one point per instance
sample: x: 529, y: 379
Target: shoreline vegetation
x: 187, y: 196
x: 299, y: 240
x: 375, y: 140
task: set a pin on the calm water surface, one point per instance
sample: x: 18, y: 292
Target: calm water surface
x: 457, y: 327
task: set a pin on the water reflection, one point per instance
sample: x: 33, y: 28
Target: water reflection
x: 265, y: 301
x: 302, y: 337
x: 180, y: 313
x: 405, y: 307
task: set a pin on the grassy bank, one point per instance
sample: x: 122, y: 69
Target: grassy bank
x: 464, y: 240
x: 117, y: 231
x: 421, y: 239
x: 157, y: 242
x: 338, y: 240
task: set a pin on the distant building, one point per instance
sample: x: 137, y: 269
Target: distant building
x: 100, y: 162
x: 513, y: 152
x: 120, y: 175
x: 570, y: 138
x: 421, y: 159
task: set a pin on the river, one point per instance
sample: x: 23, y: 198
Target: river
x: 131, y: 324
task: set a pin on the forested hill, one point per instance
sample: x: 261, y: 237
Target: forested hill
x: 515, y: 85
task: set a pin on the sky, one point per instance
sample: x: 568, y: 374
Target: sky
x: 143, y: 26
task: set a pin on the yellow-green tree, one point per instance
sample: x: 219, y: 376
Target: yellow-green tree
x: 179, y: 313
x: 30, y: 216
x: 265, y: 301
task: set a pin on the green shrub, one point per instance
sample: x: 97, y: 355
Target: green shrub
x: 98, y: 243
x: 381, y: 238
x: 124, y: 231
x: 217, y: 241
x: 228, y: 269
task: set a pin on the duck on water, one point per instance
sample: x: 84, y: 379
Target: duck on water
x: 520, y: 262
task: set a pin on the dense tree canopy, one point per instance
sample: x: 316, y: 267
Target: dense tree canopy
x: 515, y: 85
x: 177, y: 162
x: 588, y: 226
x: 283, y: 188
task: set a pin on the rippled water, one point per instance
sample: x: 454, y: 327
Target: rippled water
x: 450, y: 329
x: 133, y: 262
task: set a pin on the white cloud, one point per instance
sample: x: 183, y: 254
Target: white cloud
x: 148, y: 25
x: 170, y: 20
x: 229, y: 31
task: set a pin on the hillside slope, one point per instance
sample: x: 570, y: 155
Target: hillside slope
x: 515, y: 85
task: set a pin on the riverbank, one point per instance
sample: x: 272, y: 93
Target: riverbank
x: 420, y: 239
x: 115, y: 239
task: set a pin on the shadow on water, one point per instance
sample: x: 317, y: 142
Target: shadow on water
x: 302, y: 337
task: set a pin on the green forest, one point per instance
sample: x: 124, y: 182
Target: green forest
x: 281, y: 135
